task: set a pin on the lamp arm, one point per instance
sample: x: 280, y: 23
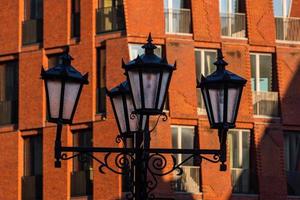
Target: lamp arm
x: 57, y: 148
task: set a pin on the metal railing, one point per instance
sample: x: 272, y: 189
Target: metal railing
x: 178, y: 21
x: 287, y: 28
x: 75, y: 24
x: 265, y: 103
x: 189, y: 181
x: 8, y: 112
x: 110, y: 19
x: 32, y: 31
x: 233, y: 25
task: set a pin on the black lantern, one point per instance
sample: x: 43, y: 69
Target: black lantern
x: 222, y: 91
x: 121, y: 101
x: 149, y: 78
x: 63, y: 85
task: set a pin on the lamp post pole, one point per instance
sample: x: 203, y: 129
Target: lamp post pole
x: 134, y: 101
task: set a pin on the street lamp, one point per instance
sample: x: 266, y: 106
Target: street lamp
x: 134, y: 102
x: 222, y: 92
x: 122, y: 103
x: 149, y: 78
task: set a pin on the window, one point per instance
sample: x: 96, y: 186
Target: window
x: 243, y: 174
x: 178, y: 16
x: 101, y: 81
x: 264, y: 85
x: 32, y: 172
x: 287, y: 25
x: 81, y: 176
x: 204, y: 66
x: 233, y: 19
x: 75, y: 18
x: 292, y: 161
x: 184, y: 137
x: 32, y: 26
x: 8, y: 93
x: 110, y: 16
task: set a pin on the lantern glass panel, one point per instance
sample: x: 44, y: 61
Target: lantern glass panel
x: 163, y: 89
x: 135, y: 86
x: 70, y: 95
x: 119, y: 106
x: 150, y: 84
x: 133, y: 122
x: 233, y: 100
x: 216, y: 96
x: 54, y: 94
x: 206, y: 101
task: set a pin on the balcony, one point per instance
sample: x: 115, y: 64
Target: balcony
x: 240, y: 180
x: 32, y: 31
x: 32, y: 187
x: 265, y: 103
x: 110, y: 19
x: 233, y: 25
x: 287, y: 28
x: 178, y: 21
x: 189, y: 181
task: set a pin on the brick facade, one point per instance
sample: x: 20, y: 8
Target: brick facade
x: 142, y: 17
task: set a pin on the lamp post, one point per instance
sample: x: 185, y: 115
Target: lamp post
x: 134, y: 101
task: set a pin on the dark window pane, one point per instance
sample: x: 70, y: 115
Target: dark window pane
x: 101, y: 81
x: 8, y: 93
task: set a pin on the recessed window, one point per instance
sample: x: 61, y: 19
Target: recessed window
x: 264, y: 85
x: 243, y: 174
x: 101, y: 81
x: 184, y: 137
x: 32, y: 26
x: 75, y: 18
x: 205, y: 59
x: 8, y: 93
x: 110, y: 16
x: 32, y: 184
x: 233, y: 18
x: 82, y: 173
x: 292, y: 161
x: 178, y: 16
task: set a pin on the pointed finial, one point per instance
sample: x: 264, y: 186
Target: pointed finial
x: 220, y: 63
x: 149, y: 47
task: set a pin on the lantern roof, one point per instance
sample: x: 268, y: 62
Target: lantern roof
x: 148, y: 59
x: 221, y: 75
x: 64, y: 70
x: 123, y: 88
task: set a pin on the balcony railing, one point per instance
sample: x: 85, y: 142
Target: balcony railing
x: 240, y: 180
x: 189, y: 181
x: 265, y: 103
x: 287, y: 29
x: 233, y: 25
x: 32, y: 187
x: 110, y: 19
x: 32, y: 31
x: 178, y: 21
x: 75, y: 24
x: 8, y: 112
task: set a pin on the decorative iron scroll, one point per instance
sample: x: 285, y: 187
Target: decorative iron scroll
x: 123, y: 163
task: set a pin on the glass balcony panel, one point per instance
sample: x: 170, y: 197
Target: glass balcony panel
x: 178, y: 20
x: 265, y: 103
x: 287, y: 28
x: 189, y: 181
x: 233, y: 25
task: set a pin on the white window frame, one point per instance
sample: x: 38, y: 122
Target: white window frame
x: 202, y: 111
x: 131, y: 46
x: 257, y: 68
x: 179, y: 138
x: 239, y: 132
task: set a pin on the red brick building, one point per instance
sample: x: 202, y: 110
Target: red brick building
x: 260, y: 40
